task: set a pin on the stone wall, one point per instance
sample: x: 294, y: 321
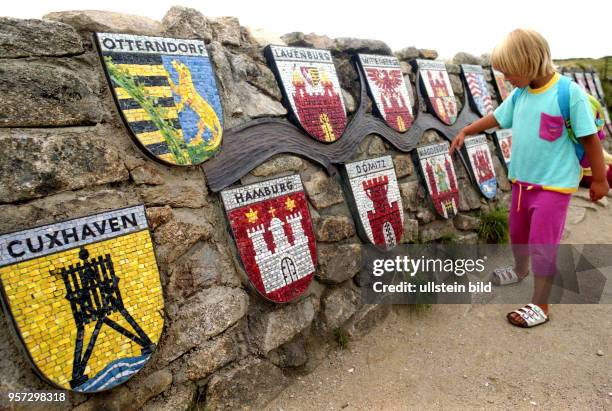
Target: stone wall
x: 66, y: 153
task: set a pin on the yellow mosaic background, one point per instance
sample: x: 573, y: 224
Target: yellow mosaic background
x: 44, y: 317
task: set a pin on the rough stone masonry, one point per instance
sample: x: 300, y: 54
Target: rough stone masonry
x: 66, y: 153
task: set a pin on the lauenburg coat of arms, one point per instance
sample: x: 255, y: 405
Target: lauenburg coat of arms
x: 167, y: 94
x: 84, y: 297
x: 273, y: 232
x: 311, y: 90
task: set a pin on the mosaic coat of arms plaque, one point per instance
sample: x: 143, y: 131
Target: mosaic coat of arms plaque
x: 591, y: 83
x: 311, y: 89
x: 272, y: 228
x: 581, y: 80
x: 84, y: 297
x: 478, y: 90
x: 437, y: 87
x: 503, y: 142
x: 501, y: 84
x: 437, y: 170
x: 388, y: 90
x: 166, y: 91
x: 377, y: 200
x: 598, y: 86
x: 482, y: 164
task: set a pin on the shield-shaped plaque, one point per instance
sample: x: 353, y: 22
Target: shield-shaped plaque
x: 501, y: 84
x: 591, y: 83
x: 311, y: 89
x: 437, y: 170
x: 377, y: 201
x: 273, y: 232
x: 436, y: 85
x: 598, y: 86
x: 388, y: 90
x: 482, y: 164
x: 478, y: 90
x: 580, y: 79
x: 166, y: 91
x: 84, y: 297
x: 503, y: 142
x: 568, y: 74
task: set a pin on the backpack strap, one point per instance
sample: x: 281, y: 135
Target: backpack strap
x: 516, y: 95
x: 563, y: 98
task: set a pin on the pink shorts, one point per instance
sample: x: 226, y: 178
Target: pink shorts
x: 537, y: 218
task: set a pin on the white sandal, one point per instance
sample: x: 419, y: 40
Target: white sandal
x: 505, y: 276
x: 531, y: 313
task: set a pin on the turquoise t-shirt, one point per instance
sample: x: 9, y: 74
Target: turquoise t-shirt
x: 542, y: 152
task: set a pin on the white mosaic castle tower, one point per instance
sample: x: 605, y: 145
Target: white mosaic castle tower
x: 288, y: 262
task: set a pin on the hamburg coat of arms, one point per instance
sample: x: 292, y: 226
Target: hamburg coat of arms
x: 311, y: 89
x: 436, y: 167
x: 377, y: 200
x: 478, y: 89
x: 437, y: 87
x: 166, y: 91
x: 501, y: 84
x: 388, y: 90
x: 273, y: 232
x: 482, y: 164
x: 84, y: 297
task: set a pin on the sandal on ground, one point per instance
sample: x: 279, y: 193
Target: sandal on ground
x: 531, y: 314
x: 505, y: 276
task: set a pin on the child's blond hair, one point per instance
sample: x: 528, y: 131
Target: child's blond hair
x: 524, y: 52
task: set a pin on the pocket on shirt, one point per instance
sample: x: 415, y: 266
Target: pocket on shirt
x: 551, y: 127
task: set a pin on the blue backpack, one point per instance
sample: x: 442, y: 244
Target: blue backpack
x: 563, y: 98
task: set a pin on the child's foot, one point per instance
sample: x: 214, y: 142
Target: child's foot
x: 529, y: 315
x: 507, y: 275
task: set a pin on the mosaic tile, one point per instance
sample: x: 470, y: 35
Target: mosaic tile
x: 166, y: 91
x: 311, y: 89
x: 581, y: 80
x: 376, y: 197
x: 482, y: 164
x: 598, y: 86
x: 503, y: 142
x: 85, y: 297
x: 503, y: 86
x: 590, y: 81
x: 436, y: 167
x: 272, y: 228
x: 477, y: 89
x: 438, y: 91
x: 388, y: 90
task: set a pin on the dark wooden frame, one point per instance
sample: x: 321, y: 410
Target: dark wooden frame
x: 248, y: 145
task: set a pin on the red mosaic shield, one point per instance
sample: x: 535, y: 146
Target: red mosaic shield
x: 437, y: 87
x: 388, y: 90
x: 273, y: 232
x: 311, y: 90
x: 439, y: 173
x: 377, y: 199
x: 501, y: 84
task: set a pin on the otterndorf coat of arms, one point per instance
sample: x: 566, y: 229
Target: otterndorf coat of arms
x: 436, y: 86
x: 166, y: 91
x: 377, y: 200
x: 273, y: 232
x: 311, y: 90
x: 388, y: 90
x: 84, y: 297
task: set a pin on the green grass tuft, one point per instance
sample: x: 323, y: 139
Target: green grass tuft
x: 493, y: 227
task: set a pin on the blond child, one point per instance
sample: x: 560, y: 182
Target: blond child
x: 544, y: 169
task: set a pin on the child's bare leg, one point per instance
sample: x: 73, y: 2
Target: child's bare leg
x: 521, y: 265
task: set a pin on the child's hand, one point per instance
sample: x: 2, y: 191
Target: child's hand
x: 598, y: 189
x: 457, y: 142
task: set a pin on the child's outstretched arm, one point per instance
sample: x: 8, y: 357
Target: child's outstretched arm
x: 476, y: 127
x: 594, y: 153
